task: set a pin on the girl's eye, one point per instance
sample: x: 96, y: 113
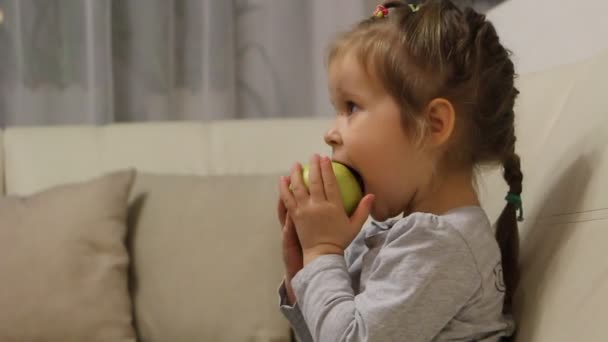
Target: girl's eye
x: 352, y: 107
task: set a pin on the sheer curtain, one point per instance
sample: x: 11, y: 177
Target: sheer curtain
x: 101, y: 61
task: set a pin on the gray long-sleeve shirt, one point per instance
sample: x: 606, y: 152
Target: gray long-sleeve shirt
x: 419, y: 278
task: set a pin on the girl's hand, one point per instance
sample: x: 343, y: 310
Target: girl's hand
x: 292, y: 250
x: 318, y: 213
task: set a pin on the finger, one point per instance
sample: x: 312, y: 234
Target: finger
x: 363, y: 210
x: 290, y: 230
x: 300, y: 192
x: 330, y: 184
x: 281, y: 211
x: 315, y: 182
x: 286, y: 195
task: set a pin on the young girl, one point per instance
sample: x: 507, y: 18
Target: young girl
x: 423, y: 95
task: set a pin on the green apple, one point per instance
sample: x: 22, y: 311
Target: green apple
x: 350, y: 190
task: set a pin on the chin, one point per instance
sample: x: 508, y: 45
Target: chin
x: 378, y: 214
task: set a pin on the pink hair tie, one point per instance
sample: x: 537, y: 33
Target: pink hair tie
x: 380, y: 12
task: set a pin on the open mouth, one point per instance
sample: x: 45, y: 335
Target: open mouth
x: 357, y: 177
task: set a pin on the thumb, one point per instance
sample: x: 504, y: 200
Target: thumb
x: 363, y: 210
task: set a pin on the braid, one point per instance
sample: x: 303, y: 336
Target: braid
x: 507, y: 233
x: 482, y: 69
x: 512, y: 173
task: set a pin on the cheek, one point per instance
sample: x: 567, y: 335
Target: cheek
x: 384, y: 177
x: 394, y: 177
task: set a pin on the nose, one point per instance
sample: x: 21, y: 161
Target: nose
x: 332, y: 137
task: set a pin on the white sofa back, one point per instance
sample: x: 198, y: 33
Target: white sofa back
x: 564, y: 128
x: 38, y: 157
x: 562, y: 117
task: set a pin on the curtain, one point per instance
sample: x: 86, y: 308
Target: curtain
x: 102, y: 61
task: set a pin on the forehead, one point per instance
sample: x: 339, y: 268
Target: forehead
x: 346, y: 69
x: 346, y: 73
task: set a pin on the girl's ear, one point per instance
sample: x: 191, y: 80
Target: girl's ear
x: 441, y: 119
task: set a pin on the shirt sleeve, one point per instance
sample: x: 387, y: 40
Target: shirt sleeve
x: 422, y: 276
x: 294, y: 316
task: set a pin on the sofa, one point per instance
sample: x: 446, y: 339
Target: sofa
x: 203, y: 250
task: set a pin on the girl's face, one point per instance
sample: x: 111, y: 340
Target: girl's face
x: 368, y: 135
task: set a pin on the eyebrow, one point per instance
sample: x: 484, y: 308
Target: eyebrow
x: 344, y: 92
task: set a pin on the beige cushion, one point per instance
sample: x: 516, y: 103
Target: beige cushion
x: 207, y: 259
x: 63, y: 264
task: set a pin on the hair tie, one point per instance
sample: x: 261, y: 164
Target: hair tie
x: 380, y: 12
x: 516, y: 200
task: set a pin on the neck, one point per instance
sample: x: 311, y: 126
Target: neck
x: 446, y: 192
